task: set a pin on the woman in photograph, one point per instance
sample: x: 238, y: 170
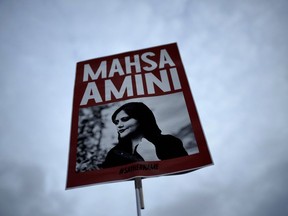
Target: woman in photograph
x: 136, y: 125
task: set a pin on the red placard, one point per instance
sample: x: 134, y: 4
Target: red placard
x: 134, y: 116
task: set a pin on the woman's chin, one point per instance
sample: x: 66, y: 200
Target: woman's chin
x: 132, y: 135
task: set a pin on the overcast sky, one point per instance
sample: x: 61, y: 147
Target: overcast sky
x: 235, y: 55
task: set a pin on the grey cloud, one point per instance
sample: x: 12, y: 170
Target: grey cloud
x: 271, y: 192
x: 23, y: 192
x: 262, y: 194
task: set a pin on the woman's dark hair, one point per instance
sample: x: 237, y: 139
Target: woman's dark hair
x: 144, y: 115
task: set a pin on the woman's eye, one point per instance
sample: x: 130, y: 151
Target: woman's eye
x: 125, y: 119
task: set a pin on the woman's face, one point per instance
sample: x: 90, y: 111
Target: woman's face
x: 125, y: 124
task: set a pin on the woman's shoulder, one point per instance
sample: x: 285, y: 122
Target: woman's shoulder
x: 169, y: 146
x: 169, y: 138
x: 168, y: 141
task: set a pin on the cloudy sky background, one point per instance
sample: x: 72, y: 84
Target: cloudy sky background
x: 235, y: 55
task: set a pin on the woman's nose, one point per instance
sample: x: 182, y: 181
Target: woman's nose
x: 120, y: 125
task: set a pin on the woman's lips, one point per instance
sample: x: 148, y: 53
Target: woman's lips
x: 121, y: 130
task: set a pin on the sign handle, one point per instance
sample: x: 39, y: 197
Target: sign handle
x: 139, y: 195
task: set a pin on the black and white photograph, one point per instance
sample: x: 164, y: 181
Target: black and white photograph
x: 143, y: 129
